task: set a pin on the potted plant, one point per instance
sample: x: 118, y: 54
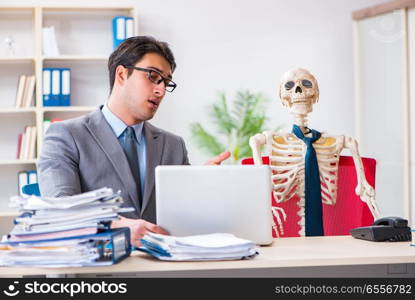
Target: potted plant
x: 235, y: 125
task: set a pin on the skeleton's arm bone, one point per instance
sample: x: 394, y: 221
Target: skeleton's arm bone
x: 255, y: 142
x: 363, y: 189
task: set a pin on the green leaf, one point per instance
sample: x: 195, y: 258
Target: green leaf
x: 205, y: 140
x: 222, y: 118
x: 246, y: 118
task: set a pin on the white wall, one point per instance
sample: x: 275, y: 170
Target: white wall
x: 226, y: 45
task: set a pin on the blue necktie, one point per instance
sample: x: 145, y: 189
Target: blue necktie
x: 313, y: 205
x: 130, y: 148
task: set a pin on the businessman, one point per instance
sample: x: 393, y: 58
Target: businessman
x: 115, y: 146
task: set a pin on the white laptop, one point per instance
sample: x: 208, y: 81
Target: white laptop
x: 193, y: 200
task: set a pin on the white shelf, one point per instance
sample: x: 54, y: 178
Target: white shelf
x: 13, y: 110
x: 88, y: 7
x: 76, y: 58
x: 84, y: 36
x: 9, y: 214
x: 17, y: 162
x: 16, y: 59
x: 69, y: 108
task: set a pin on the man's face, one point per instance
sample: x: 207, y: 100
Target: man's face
x: 142, y: 96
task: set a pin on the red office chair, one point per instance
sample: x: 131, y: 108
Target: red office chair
x: 348, y: 212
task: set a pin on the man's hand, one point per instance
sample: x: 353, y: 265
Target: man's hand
x: 138, y: 227
x: 217, y: 160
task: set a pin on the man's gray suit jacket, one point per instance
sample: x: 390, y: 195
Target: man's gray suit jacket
x: 83, y: 154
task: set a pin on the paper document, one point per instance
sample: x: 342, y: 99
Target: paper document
x: 66, y: 231
x: 217, y: 246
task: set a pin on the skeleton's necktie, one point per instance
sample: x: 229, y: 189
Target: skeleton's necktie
x: 313, y: 206
x: 130, y: 148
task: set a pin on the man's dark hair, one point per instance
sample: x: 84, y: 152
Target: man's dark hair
x: 132, y: 51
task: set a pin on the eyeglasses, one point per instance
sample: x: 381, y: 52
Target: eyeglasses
x: 155, y: 77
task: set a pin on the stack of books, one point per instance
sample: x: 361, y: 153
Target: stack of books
x: 216, y: 246
x: 26, y: 143
x: 25, y: 91
x: 66, y: 231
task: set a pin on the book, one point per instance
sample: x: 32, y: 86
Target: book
x: 23, y: 143
x: 27, y: 148
x: 32, y: 143
x: 27, y: 137
x: 25, y: 91
x: 20, y: 91
x: 28, y: 133
x: 29, y: 91
x: 19, y: 145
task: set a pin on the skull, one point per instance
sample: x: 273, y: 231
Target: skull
x: 299, y: 91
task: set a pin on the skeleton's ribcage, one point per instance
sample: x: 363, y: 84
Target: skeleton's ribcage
x: 287, y: 166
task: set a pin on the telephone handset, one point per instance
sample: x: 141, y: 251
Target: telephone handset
x: 391, y: 229
x: 396, y: 222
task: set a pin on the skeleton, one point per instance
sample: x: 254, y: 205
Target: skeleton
x: 298, y: 92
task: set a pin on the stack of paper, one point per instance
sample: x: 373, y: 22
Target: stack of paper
x: 52, y: 231
x: 103, y: 248
x: 217, y: 246
x: 44, y: 217
x: 75, y: 252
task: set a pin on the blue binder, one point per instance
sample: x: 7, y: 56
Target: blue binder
x: 65, y: 81
x: 31, y: 189
x: 47, y: 87
x: 56, y: 86
x: 122, y: 28
x: 32, y: 176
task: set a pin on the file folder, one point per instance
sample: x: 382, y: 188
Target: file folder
x: 113, y: 245
x: 56, y: 87
x: 47, y: 86
x: 118, y: 27
x: 31, y: 176
x: 25, y: 178
x: 22, y: 180
x: 129, y: 27
x: 123, y: 28
x: 65, y: 99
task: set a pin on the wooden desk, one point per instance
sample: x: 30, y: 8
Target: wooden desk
x: 340, y: 256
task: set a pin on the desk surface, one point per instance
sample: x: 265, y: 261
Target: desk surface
x: 283, y: 253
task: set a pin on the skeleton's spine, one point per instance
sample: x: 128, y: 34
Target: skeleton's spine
x: 301, y: 206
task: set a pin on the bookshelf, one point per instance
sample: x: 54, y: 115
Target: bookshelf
x: 84, y: 37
